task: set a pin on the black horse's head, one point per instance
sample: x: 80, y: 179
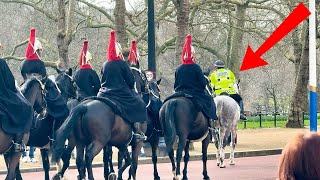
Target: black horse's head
x: 65, y: 83
x: 141, y: 83
x: 34, y: 91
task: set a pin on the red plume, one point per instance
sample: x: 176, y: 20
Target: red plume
x: 83, y: 60
x: 133, y: 55
x: 112, y: 52
x: 187, y: 55
x: 30, y: 53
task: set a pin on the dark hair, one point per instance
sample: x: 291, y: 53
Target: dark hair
x: 300, y: 158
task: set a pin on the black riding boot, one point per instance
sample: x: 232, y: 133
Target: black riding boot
x: 138, y: 135
x: 18, y: 145
x: 242, y: 115
x: 211, y: 130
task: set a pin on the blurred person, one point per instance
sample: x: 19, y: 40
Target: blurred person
x: 31, y: 157
x: 300, y: 158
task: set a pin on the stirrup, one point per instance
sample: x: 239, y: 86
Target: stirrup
x: 18, y: 147
x: 139, y: 137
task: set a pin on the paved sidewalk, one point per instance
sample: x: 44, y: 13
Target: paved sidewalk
x: 248, y: 140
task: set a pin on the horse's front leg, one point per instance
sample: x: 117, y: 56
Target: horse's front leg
x: 154, y: 145
x: 205, y: 144
x: 186, y: 160
x: 12, y: 160
x: 136, y: 150
x: 127, y: 161
x: 45, y: 163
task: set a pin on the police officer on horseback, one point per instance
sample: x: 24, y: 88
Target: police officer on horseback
x: 189, y: 79
x: 16, y: 113
x: 118, y: 85
x: 86, y: 79
x: 223, y: 81
x: 56, y: 106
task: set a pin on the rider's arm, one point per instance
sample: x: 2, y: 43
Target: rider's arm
x: 212, y: 80
x: 95, y: 81
x: 128, y: 76
x: 232, y: 77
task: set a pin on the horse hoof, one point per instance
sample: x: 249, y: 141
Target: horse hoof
x: 112, y: 176
x: 57, y: 177
x: 206, y: 178
x: 223, y: 166
x: 232, y: 163
x: 218, y: 164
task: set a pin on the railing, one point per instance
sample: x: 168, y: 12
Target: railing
x: 266, y: 118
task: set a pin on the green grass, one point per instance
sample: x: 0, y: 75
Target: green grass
x: 252, y: 124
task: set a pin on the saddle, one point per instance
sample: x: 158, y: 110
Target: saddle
x: 116, y: 109
x: 185, y: 95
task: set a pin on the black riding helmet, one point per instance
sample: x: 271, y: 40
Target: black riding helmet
x: 219, y: 64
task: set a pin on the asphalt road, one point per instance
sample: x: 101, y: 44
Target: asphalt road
x: 249, y: 168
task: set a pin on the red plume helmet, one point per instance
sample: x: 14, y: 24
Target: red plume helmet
x: 187, y: 53
x: 83, y: 59
x: 114, y: 49
x: 30, y: 51
x: 133, y: 55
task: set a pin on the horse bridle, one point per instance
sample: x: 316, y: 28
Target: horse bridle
x: 72, y: 84
x: 43, y: 105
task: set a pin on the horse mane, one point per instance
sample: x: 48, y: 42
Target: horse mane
x: 29, y: 83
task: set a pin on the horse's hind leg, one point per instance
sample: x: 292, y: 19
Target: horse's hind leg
x: 80, y: 162
x: 181, y: 145
x: 91, y: 151
x: 205, y: 144
x: 186, y: 160
x: 45, y: 163
x: 232, y: 147
x: 221, y: 147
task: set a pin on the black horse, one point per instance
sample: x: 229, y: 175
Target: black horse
x: 178, y: 117
x: 150, y: 92
x: 42, y: 136
x: 33, y: 91
x: 65, y: 83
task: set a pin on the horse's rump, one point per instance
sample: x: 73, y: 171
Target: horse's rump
x: 182, y: 112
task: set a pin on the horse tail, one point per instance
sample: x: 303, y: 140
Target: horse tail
x: 169, y: 127
x: 65, y: 130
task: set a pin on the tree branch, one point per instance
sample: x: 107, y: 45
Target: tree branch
x: 50, y: 16
x: 52, y: 64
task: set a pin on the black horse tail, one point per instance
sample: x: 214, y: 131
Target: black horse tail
x: 169, y: 124
x: 65, y: 130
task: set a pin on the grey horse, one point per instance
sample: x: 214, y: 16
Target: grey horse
x: 228, y: 112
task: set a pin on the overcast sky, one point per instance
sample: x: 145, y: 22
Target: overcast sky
x: 110, y: 3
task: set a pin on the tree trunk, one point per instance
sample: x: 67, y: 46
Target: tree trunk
x: 299, y: 100
x: 65, y: 31
x: 120, y: 23
x: 182, y: 7
x: 237, y: 39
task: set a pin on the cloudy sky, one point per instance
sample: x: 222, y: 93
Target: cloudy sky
x: 110, y: 3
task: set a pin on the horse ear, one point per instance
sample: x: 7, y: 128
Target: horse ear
x: 58, y: 70
x: 238, y: 81
x: 159, y: 80
x: 69, y: 72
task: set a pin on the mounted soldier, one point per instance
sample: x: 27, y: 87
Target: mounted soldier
x: 16, y: 113
x: 86, y: 79
x: 189, y: 79
x: 57, y: 107
x: 118, y: 85
x: 223, y: 81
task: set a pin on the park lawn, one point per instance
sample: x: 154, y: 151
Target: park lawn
x: 267, y: 124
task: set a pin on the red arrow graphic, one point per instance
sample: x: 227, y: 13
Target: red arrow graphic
x: 253, y: 59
